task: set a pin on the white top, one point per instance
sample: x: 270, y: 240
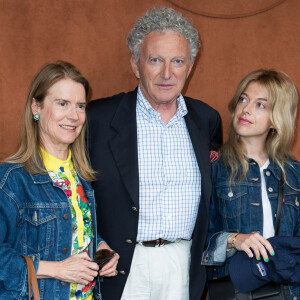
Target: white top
x: 268, y: 227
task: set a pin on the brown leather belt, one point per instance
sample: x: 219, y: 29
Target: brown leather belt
x: 155, y: 243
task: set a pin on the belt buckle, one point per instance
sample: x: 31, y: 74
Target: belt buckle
x: 157, y: 243
x: 160, y: 242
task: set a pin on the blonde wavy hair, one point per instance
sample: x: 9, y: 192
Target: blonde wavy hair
x: 282, y: 102
x: 28, y: 152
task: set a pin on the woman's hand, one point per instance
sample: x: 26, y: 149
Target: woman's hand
x: 253, y: 241
x: 78, y: 268
x: 109, y: 269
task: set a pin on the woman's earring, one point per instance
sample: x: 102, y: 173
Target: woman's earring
x: 273, y: 131
x: 36, y: 117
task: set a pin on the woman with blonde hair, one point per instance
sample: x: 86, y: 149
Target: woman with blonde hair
x: 47, y: 206
x: 246, y: 176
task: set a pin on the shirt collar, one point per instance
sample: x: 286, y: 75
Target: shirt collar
x: 53, y: 163
x: 150, y: 111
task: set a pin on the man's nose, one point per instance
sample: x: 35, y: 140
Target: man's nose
x: 166, y: 72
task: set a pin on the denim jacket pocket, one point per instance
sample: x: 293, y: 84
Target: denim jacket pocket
x: 38, y: 231
x: 291, y: 210
x: 232, y: 200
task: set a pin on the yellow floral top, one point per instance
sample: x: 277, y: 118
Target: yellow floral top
x: 63, y: 174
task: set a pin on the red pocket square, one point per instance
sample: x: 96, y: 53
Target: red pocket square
x: 214, y: 155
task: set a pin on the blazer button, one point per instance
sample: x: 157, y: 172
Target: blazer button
x: 129, y: 241
x: 65, y: 251
x: 134, y: 208
x: 66, y: 216
x: 122, y: 272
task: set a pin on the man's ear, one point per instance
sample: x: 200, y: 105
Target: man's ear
x: 190, y: 69
x: 35, y: 107
x: 135, y: 66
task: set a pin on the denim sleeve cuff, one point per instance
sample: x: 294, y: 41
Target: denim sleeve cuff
x: 216, y: 254
x: 220, y: 253
x: 99, y: 240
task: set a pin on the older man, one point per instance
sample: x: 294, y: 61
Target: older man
x: 151, y: 148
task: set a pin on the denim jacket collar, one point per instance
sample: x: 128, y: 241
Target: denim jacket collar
x: 274, y: 168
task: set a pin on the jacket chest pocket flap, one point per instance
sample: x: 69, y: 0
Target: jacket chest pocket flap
x: 38, y: 229
x: 231, y: 200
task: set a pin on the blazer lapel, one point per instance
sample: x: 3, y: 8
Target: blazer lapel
x: 201, y: 149
x: 124, y: 144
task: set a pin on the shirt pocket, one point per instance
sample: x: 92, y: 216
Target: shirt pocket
x: 39, y: 226
x: 231, y: 200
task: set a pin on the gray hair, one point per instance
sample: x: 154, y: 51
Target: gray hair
x: 161, y: 20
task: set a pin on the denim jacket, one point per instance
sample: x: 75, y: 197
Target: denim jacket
x: 237, y: 207
x: 35, y: 220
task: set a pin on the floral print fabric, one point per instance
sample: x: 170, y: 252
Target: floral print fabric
x: 63, y: 174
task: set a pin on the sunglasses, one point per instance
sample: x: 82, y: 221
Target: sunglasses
x: 103, y: 256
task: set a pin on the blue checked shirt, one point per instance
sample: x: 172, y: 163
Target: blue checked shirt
x: 169, y: 176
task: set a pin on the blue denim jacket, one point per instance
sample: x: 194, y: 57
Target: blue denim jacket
x: 238, y: 208
x: 35, y: 220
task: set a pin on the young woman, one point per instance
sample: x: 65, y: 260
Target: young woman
x: 47, y: 206
x: 247, y: 173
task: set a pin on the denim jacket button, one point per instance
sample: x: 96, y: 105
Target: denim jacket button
x: 66, y: 216
x: 297, y: 202
x: 65, y: 251
x: 230, y: 194
x: 268, y: 173
x: 63, y: 283
x: 270, y: 189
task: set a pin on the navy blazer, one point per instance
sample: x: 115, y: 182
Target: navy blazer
x: 112, y: 145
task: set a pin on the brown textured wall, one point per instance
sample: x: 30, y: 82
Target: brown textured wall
x: 91, y: 34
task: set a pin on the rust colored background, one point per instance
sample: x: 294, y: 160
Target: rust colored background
x: 91, y: 34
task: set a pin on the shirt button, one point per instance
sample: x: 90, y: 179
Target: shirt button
x: 80, y: 233
x: 230, y: 194
x: 73, y: 186
x: 270, y: 189
x: 66, y: 164
x: 66, y: 216
x: 65, y: 251
x: 129, y: 241
x: 122, y: 272
x: 75, y: 202
x: 80, y: 218
x: 268, y: 173
x: 68, y: 172
x: 134, y: 208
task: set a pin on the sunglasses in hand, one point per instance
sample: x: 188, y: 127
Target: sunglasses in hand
x: 103, y: 256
